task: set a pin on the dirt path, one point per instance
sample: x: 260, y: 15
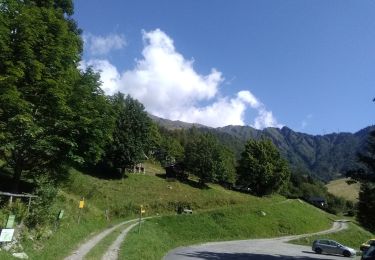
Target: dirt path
x: 112, y: 252
x: 83, y: 249
x: 255, y: 249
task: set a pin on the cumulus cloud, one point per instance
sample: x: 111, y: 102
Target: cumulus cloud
x: 169, y: 87
x: 102, y: 45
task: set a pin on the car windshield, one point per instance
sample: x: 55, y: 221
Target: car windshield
x: 370, y: 251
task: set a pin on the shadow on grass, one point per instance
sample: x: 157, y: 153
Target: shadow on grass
x: 242, y: 256
x: 191, y: 183
x: 102, y: 171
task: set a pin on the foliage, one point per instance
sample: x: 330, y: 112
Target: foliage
x: 131, y: 135
x: 366, y: 206
x: 208, y: 160
x: 305, y: 186
x: 94, y: 116
x: 40, y: 213
x: 41, y: 48
x: 366, y: 176
x: 261, y: 168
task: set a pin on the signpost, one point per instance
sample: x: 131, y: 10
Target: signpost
x: 81, y: 206
x: 141, y: 211
x: 6, y: 234
x: 10, y: 221
x: 58, y: 219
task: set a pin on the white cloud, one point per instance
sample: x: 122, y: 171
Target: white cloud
x: 169, y: 87
x: 305, y: 121
x: 102, y: 45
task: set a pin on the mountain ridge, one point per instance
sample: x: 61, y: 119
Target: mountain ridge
x: 326, y: 156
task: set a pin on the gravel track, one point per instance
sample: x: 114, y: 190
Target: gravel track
x: 83, y: 249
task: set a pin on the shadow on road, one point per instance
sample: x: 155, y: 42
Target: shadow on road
x: 242, y: 256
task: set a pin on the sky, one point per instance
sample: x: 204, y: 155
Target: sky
x: 308, y: 65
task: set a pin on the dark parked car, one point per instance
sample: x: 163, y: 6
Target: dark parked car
x: 367, y: 244
x: 369, y: 254
x: 332, y: 247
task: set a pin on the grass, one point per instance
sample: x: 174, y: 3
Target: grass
x: 219, y: 214
x: 341, y: 189
x: 122, y: 199
x: 353, y: 237
x: 160, y: 235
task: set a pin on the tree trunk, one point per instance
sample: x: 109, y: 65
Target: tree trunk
x: 16, y: 179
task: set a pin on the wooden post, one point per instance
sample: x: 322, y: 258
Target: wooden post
x: 28, y: 207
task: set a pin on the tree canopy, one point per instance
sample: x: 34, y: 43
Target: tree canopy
x: 209, y: 160
x: 41, y: 48
x: 261, y: 168
x: 366, y: 176
x: 131, y: 135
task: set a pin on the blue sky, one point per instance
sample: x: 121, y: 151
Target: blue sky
x: 308, y: 65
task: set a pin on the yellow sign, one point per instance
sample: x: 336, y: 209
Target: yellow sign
x: 142, y: 209
x: 81, y: 204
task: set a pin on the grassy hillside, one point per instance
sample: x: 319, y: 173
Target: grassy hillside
x: 219, y: 214
x: 341, y: 189
x: 122, y: 198
x: 282, y: 217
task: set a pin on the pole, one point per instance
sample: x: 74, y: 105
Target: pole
x: 140, y: 219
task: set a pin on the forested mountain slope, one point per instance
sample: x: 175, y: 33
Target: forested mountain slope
x: 325, y: 156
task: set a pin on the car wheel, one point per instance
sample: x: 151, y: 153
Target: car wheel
x: 318, y: 250
x: 346, y: 253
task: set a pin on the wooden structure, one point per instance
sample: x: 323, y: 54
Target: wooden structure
x: 139, y: 168
x: 175, y: 171
x: 16, y: 195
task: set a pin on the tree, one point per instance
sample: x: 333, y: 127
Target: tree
x: 366, y: 176
x: 207, y: 159
x: 94, y: 116
x: 261, y: 168
x: 131, y: 135
x: 40, y: 50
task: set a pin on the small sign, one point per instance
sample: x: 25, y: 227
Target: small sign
x: 143, y: 211
x: 6, y: 235
x: 81, y: 204
x: 10, y: 221
x: 61, y: 214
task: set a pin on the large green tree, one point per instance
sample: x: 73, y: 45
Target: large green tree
x: 366, y: 176
x: 261, y: 168
x: 51, y: 113
x: 40, y: 50
x: 131, y: 136
x: 94, y: 117
x: 207, y: 159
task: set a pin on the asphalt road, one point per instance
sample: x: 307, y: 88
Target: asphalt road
x: 257, y: 249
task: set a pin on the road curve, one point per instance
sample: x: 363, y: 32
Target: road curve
x: 254, y: 249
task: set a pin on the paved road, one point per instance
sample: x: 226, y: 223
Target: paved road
x: 256, y: 249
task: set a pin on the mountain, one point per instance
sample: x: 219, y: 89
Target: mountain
x: 325, y: 156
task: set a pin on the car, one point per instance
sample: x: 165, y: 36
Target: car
x: 332, y: 247
x: 367, y: 244
x: 369, y: 254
